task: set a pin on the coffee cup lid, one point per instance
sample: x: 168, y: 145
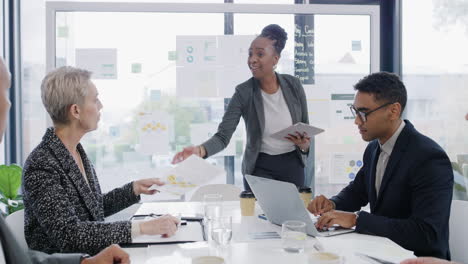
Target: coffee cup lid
x: 208, y: 260
x: 305, y: 189
x: 247, y: 194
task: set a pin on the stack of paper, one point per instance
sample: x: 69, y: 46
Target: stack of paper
x: 191, y: 232
x: 349, y: 245
x: 188, y: 175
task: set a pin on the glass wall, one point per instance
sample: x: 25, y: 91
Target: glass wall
x: 156, y: 101
x: 435, y: 71
x: 150, y: 80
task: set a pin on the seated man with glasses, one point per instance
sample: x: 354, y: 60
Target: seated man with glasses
x: 406, y: 178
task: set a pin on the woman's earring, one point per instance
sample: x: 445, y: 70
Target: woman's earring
x: 274, y: 67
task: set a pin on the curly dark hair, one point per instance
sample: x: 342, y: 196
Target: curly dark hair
x: 277, y: 34
x: 385, y: 86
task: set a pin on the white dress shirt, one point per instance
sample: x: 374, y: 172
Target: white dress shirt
x: 385, y: 152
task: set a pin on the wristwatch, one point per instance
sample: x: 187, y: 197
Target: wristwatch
x: 357, y: 215
x: 84, y: 256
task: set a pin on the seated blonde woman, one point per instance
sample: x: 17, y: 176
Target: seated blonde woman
x: 64, y: 206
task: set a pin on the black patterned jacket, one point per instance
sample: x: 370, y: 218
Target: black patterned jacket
x: 62, y: 212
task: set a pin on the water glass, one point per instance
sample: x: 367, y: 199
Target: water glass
x: 212, y: 205
x: 221, y: 230
x: 293, y: 236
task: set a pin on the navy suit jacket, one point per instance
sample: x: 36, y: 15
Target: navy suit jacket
x: 413, y: 205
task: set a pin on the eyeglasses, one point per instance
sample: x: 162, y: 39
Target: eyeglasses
x: 363, y: 115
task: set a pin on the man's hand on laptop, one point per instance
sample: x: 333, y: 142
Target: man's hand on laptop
x: 320, y: 205
x: 341, y: 218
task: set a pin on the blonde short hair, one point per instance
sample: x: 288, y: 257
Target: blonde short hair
x: 62, y: 88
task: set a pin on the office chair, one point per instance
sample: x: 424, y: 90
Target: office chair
x: 228, y: 191
x: 458, y: 231
x: 16, y: 223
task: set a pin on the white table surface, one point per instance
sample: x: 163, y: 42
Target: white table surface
x: 245, y: 250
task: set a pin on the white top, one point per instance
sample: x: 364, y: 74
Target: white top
x: 277, y: 117
x: 385, y: 152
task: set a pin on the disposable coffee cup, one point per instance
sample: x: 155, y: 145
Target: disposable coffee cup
x: 306, y: 195
x: 247, y: 203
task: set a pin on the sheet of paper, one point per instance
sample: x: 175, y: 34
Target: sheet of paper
x: 318, y: 105
x: 340, y: 111
x: 344, y: 167
x: 232, y: 54
x: 188, y: 175
x: 196, y: 81
x: 348, y: 245
x: 229, y: 76
x: 264, y: 235
x: 185, y: 209
x: 298, y: 127
x: 102, y: 62
x: 319, y: 112
x: 193, y: 231
x: 196, y: 50
x: 211, y: 66
x: 154, y: 133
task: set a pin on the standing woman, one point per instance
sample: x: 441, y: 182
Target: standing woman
x: 268, y: 102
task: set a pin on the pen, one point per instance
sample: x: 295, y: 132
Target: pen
x: 373, y: 259
x: 262, y: 216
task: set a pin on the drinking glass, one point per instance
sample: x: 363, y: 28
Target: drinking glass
x: 212, y: 205
x: 212, y: 209
x: 221, y: 230
x: 293, y: 236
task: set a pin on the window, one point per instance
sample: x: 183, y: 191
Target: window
x: 145, y: 80
x: 435, y: 72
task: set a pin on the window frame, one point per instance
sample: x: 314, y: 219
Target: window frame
x: 372, y: 10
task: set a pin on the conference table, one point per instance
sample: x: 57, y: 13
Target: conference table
x: 247, y: 249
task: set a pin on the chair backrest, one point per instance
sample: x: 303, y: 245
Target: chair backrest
x: 230, y: 192
x: 458, y: 231
x: 16, y: 223
x: 456, y: 167
x: 462, y: 159
x: 464, y: 170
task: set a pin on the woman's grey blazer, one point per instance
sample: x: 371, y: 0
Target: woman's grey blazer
x: 62, y: 212
x: 247, y: 102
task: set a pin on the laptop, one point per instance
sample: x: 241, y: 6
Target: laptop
x: 280, y: 201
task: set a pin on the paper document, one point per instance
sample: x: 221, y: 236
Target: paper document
x: 298, y: 127
x: 349, y: 245
x: 188, y: 175
x: 191, y: 232
x: 264, y: 235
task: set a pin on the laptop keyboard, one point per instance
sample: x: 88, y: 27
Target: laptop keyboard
x: 325, y: 229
